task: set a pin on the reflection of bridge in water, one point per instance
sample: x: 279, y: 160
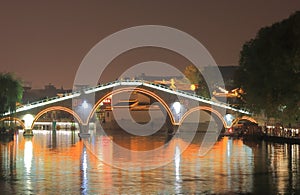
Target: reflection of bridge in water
x: 176, y: 105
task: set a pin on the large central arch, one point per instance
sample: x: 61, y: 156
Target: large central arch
x: 204, y: 108
x: 133, y: 89
x: 54, y: 108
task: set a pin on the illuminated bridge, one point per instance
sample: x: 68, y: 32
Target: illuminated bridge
x: 83, y: 104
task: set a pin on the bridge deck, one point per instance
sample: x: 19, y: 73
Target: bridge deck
x: 117, y: 83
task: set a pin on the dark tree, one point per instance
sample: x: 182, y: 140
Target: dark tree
x: 195, y: 77
x: 11, y: 92
x: 269, y: 70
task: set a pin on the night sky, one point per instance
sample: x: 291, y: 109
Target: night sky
x: 45, y: 42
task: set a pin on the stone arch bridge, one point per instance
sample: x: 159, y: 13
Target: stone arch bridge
x: 82, y: 104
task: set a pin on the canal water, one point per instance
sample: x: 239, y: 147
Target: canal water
x: 60, y: 163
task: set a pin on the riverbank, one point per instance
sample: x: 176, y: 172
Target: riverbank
x: 275, y: 134
x: 280, y: 134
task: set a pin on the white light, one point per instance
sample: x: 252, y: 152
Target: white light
x: 177, y: 107
x: 28, y: 119
x: 229, y: 118
x: 85, y: 104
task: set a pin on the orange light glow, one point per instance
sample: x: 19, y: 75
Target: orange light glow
x: 249, y: 119
x: 193, y: 87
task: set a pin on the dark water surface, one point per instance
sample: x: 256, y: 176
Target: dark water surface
x: 60, y: 163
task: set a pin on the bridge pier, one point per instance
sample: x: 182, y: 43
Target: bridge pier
x: 172, y: 129
x: 84, y: 131
x: 53, y: 125
x: 28, y: 132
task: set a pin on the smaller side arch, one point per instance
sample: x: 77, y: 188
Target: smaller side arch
x: 53, y: 108
x: 204, y: 108
x: 249, y: 119
x: 244, y: 118
x: 14, y: 119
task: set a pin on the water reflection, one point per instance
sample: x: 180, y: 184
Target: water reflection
x: 28, y: 156
x: 284, y: 167
x: 177, y: 157
x: 83, y: 175
x: 61, y: 164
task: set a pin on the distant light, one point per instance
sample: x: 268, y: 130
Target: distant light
x: 85, y: 104
x: 177, y: 107
x: 107, y: 101
x: 223, y: 90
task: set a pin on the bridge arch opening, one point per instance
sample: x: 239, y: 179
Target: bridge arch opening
x: 14, y: 119
x: 219, y: 119
x: 244, y: 118
x: 56, y: 108
x: 137, y: 90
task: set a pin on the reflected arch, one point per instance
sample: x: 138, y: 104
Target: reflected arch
x: 207, y: 109
x: 14, y: 119
x: 133, y: 89
x: 56, y: 108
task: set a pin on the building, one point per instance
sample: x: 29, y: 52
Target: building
x: 31, y: 95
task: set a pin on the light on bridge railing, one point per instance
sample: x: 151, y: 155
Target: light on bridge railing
x: 229, y: 119
x: 177, y: 107
x: 85, y: 104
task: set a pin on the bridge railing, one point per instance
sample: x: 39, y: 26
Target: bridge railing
x: 133, y: 82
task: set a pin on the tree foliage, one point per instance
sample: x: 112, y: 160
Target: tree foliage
x: 195, y: 77
x: 11, y: 92
x: 269, y: 70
